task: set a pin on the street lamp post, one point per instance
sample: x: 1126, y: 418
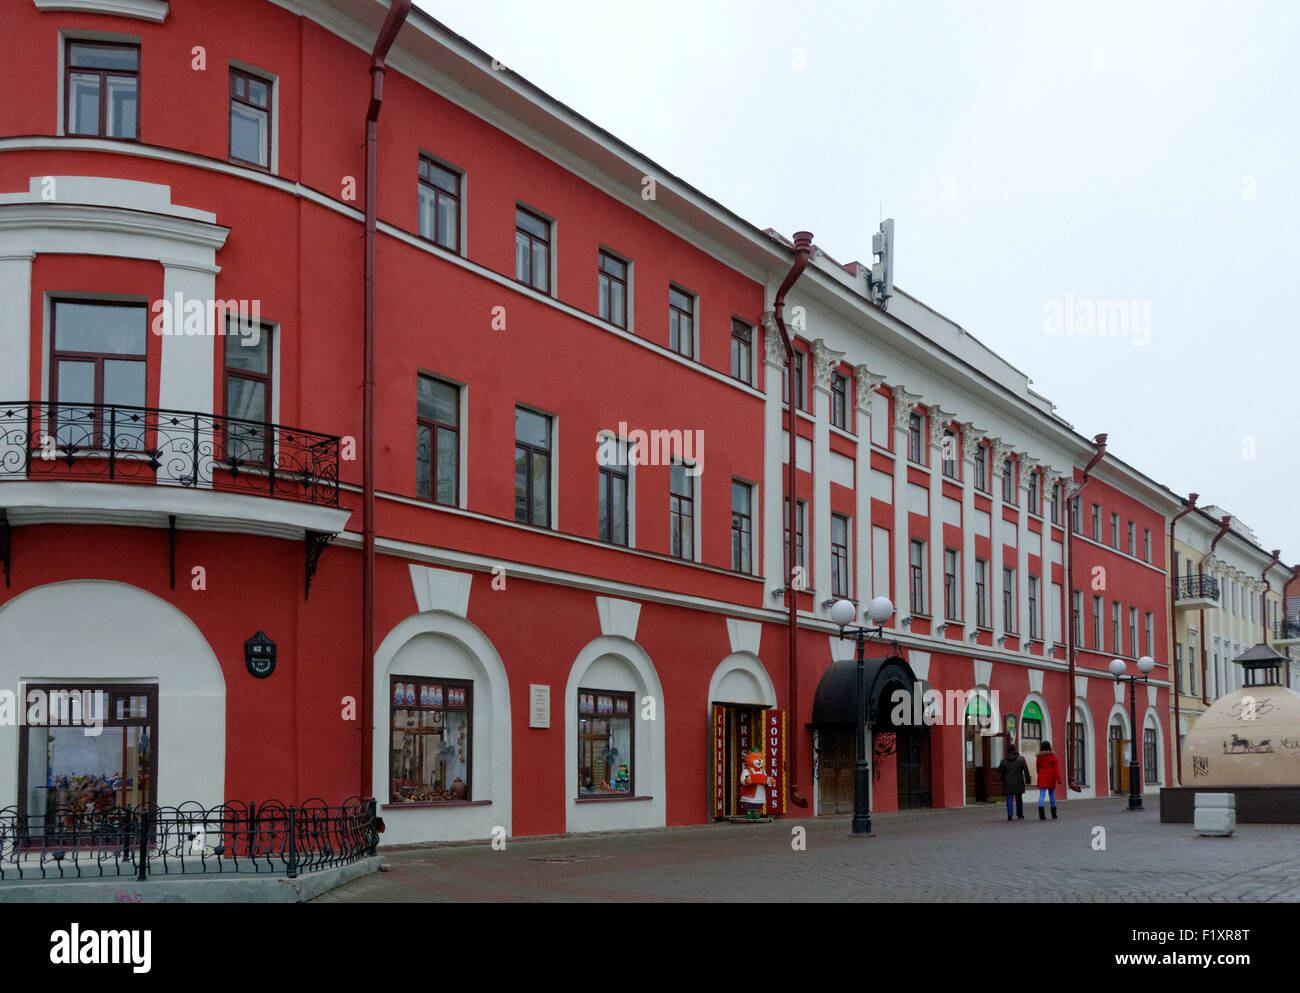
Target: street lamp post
x: 843, y: 613
x: 1119, y: 670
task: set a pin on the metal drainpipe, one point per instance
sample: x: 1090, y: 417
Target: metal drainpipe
x: 1100, y: 442
x: 397, y: 14
x: 1173, y: 626
x: 1263, y: 597
x: 1224, y: 523
x: 802, y: 256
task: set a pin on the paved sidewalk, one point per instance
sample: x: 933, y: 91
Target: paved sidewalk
x: 964, y: 854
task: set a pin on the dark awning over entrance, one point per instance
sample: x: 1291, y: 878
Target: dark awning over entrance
x: 836, y: 701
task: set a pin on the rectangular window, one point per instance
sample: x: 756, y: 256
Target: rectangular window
x: 62, y: 767
x: 1009, y: 599
x: 250, y: 118
x: 430, y: 738
x: 437, y: 440
x: 1034, y: 632
x: 681, y: 322
x: 981, y: 593
x: 247, y: 367
x: 742, y: 526
x: 97, y: 360
x: 916, y: 572
x: 1132, y: 538
x: 605, y: 743
x: 799, y: 549
x: 611, y: 288
x: 1096, y: 522
x: 532, y: 250
x: 1151, y: 635
x: 1150, y: 773
x: 1114, y: 626
x: 102, y: 89
x: 1075, y: 515
x: 948, y: 462
x: 1056, y: 503
x: 800, y: 383
x: 742, y: 351
x: 1178, y: 666
x: 1008, y: 483
x: 613, y: 482
x: 532, y: 467
x: 981, y: 468
x: 1096, y: 625
x: 439, y: 193
x: 914, y: 437
x: 1076, y: 617
x: 839, y: 400
x: 1114, y: 531
x: 1031, y: 500
x: 1133, y: 632
x: 1191, y: 670
x: 951, y: 585
x: 1146, y: 544
x: 839, y: 555
x: 681, y: 512
x: 1078, y: 763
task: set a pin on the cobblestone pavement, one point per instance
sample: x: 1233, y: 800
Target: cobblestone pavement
x: 963, y: 854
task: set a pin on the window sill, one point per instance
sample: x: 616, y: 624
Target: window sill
x: 612, y: 798
x: 426, y: 805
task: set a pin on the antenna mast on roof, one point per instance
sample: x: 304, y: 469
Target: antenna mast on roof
x: 882, y: 269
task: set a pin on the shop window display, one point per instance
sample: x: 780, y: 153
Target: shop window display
x: 604, y: 743
x: 430, y: 740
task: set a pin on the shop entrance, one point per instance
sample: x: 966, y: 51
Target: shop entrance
x: 913, y: 767
x: 1119, y: 758
x: 738, y: 728
x: 835, y: 756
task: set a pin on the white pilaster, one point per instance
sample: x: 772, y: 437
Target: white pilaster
x: 865, y: 385
x: 903, y: 404
x: 824, y: 361
x: 773, y: 464
x: 969, y: 440
x: 935, y: 421
x: 997, y: 455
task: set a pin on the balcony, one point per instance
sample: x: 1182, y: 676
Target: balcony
x: 98, y: 443
x: 1196, y: 592
x: 1287, y: 633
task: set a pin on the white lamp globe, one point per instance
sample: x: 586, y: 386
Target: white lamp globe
x: 1116, y: 667
x: 880, y: 610
x: 1146, y: 663
x: 843, y: 613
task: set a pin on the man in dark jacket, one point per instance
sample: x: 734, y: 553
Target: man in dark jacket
x: 1014, y: 773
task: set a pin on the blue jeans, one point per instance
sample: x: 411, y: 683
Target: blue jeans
x: 1048, y: 793
x: 1016, y: 804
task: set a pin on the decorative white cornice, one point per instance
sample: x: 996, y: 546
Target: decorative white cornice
x: 1027, y: 465
x: 938, y: 420
x: 998, y: 456
x: 143, y: 10
x: 825, y: 361
x: 866, y: 383
x: 970, y: 439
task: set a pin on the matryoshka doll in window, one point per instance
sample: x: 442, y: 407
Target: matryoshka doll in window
x: 753, y: 785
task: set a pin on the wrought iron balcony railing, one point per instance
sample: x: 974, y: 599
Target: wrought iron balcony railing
x: 1198, y: 588
x: 1287, y: 630
x: 92, y: 442
x: 77, y: 842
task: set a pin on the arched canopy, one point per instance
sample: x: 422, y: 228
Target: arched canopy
x: 836, y: 700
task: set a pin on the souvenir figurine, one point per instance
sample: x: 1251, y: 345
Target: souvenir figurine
x: 622, y: 780
x: 753, y: 785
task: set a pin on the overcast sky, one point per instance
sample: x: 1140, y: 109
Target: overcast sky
x: 1112, y: 151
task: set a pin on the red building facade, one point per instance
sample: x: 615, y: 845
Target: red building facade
x: 577, y: 449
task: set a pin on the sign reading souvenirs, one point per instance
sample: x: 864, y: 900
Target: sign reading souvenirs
x: 259, y: 655
x: 774, y: 748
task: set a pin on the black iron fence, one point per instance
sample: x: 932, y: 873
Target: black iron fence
x: 76, y: 843
x: 1198, y: 587
x: 96, y: 442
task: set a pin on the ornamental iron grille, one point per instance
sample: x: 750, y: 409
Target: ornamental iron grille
x: 117, y: 443
x: 76, y: 842
x: 1195, y: 587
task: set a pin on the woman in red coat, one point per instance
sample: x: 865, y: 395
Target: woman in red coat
x: 1049, y: 777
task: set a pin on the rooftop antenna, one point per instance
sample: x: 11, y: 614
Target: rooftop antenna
x: 882, y: 269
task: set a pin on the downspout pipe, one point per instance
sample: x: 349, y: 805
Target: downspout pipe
x: 1100, y: 442
x: 802, y: 257
x: 1263, y: 596
x: 1224, y: 523
x: 397, y: 14
x: 1173, y: 626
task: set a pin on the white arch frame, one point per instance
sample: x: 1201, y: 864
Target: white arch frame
x: 650, y: 775
x: 1117, y: 710
x: 491, y: 753
x: 750, y: 664
x: 1032, y: 697
x: 1080, y: 705
x: 124, y: 634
